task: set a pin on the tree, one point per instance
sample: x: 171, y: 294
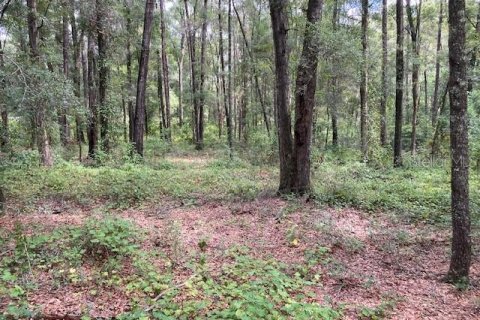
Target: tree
x: 397, y: 147
x: 458, y: 84
x: 203, y: 49
x: 139, y: 124
x: 295, y: 157
x: 383, y: 99
x: 165, y: 70
x: 285, y: 144
x: 414, y: 29
x: 103, y: 72
x: 434, y: 110
x: 42, y: 139
x: 363, y: 83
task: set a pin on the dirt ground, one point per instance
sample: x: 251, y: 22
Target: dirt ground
x: 373, y: 258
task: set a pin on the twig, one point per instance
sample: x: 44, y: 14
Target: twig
x: 161, y: 294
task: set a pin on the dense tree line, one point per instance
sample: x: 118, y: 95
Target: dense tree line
x: 103, y: 73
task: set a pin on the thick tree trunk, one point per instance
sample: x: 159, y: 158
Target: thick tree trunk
x: 384, y: 96
x: 103, y: 71
x: 43, y: 143
x: 92, y: 96
x: 305, y: 100
x: 166, y: 76
x: 364, y: 84
x: 222, y: 62
x: 142, y: 78
x: 458, y: 83
x: 414, y: 33
x: 279, y: 18
x: 397, y: 147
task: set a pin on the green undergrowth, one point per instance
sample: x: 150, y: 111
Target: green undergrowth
x: 92, y: 258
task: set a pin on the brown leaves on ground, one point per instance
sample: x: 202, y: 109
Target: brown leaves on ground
x: 372, y: 260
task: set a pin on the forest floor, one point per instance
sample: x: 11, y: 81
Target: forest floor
x: 363, y: 265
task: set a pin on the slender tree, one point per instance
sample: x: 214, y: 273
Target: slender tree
x: 399, y: 68
x: 414, y: 29
x: 42, y: 139
x: 139, y: 125
x: 203, y: 49
x: 103, y: 72
x: 383, y: 99
x: 434, y: 110
x: 279, y: 19
x: 364, y: 84
x: 165, y: 69
x: 458, y: 83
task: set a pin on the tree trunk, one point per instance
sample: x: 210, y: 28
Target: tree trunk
x: 334, y: 84
x: 180, y: 81
x: 63, y: 121
x: 437, y: 67
x: 279, y: 18
x: 458, y: 83
x: 163, y: 120
x: 139, y: 126
x: 131, y: 108
x: 414, y: 33
x: 92, y: 95
x: 397, y: 148
x: 363, y: 84
x: 4, y: 131
x: 102, y: 74
x: 166, y: 77
x: 384, y: 96
x: 305, y: 100
x: 230, y: 80
x: 201, y: 105
x: 43, y: 143
x: 222, y: 63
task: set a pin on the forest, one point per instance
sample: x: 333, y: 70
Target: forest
x: 239, y: 159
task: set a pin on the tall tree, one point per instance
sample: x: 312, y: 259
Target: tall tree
x: 63, y: 121
x: 383, y: 99
x: 43, y: 142
x: 130, y: 106
x: 414, y: 29
x: 4, y: 130
x: 203, y: 49
x: 165, y: 69
x: 458, y: 83
x: 103, y: 72
x: 230, y: 79
x: 92, y: 93
x: 305, y: 87
x: 334, y: 83
x: 435, y: 107
x: 364, y: 84
x: 139, y: 125
x: 279, y: 19
x: 399, y: 69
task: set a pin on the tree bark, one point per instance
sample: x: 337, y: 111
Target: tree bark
x: 458, y: 83
x: 364, y: 84
x: 384, y: 96
x: 397, y: 148
x: 142, y: 78
x: 92, y: 95
x: 305, y: 100
x: 63, y: 121
x: 161, y: 105
x: 103, y: 71
x: 222, y: 64
x: 334, y: 84
x: 279, y: 18
x: 43, y: 143
x: 434, y: 110
x: 131, y: 108
x: 201, y: 103
x: 4, y: 131
x: 414, y: 28
x: 180, y: 81
x: 166, y: 76
x: 230, y: 80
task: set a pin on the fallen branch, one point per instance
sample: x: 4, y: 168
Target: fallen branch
x: 161, y: 294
